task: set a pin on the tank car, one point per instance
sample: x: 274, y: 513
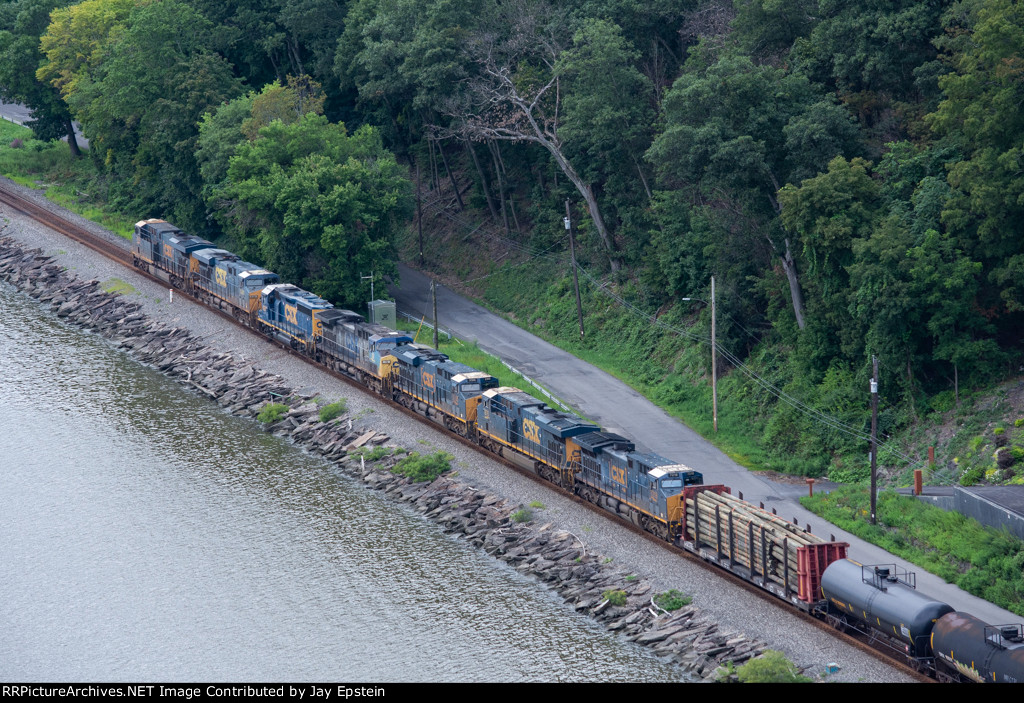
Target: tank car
x: 885, y: 599
x: 968, y: 648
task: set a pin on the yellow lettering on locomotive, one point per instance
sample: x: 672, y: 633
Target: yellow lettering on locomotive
x: 222, y: 278
x: 531, y: 431
x: 291, y: 314
x: 318, y: 326
x: 618, y: 475
x: 168, y: 252
x: 428, y: 380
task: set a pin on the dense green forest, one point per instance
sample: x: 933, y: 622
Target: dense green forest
x: 851, y: 173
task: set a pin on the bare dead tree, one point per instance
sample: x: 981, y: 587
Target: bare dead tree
x: 709, y: 20
x: 504, y: 102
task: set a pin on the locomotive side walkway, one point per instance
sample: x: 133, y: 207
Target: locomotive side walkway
x: 614, y: 405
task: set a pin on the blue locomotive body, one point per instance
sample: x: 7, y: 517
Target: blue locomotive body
x: 226, y: 277
x: 508, y: 417
x: 165, y: 250
x: 647, y: 484
x: 292, y: 314
x: 445, y: 389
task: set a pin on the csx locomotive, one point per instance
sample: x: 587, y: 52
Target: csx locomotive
x: 602, y: 467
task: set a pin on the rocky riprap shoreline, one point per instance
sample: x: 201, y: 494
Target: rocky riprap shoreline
x: 553, y: 556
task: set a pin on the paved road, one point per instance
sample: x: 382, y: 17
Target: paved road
x: 20, y: 114
x: 616, y: 406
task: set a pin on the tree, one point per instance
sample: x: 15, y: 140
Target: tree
x: 736, y: 132
x: 981, y: 114
x: 316, y: 205
x: 404, y: 57
x: 827, y: 214
x: 516, y: 96
x: 608, y: 111
x: 224, y: 129
x: 138, y: 78
x: 768, y: 28
x: 24, y: 21
x: 947, y: 283
x: 287, y: 103
x: 771, y: 667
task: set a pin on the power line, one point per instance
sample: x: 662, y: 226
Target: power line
x: 817, y: 415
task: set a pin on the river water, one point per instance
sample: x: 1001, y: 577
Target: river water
x: 147, y: 535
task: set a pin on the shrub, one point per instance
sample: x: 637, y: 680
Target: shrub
x: 724, y: 673
x: 851, y: 475
x: 522, y: 515
x: 329, y: 412
x: 615, y: 597
x: 537, y: 504
x: 421, y: 468
x: 271, y: 413
x: 672, y: 600
x: 375, y: 454
x: 17, y: 143
x: 972, y: 475
x: 770, y: 667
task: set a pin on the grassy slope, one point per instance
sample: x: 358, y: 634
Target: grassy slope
x: 67, y: 181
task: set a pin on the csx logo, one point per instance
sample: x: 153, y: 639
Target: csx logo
x: 618, y: 475
x: 531, y: 431
x: 222, y: 277
x: 428, y: 380
x: 167, y: 251
x: 291, y: 314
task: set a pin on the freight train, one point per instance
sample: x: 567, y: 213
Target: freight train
x: 662, y: 497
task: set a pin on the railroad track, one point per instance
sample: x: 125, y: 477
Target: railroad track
x: 121, y: 254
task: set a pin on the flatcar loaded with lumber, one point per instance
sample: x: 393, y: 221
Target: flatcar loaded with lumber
x: 758, y: 546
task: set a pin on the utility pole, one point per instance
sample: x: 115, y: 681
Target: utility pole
x: 433, y: 295
x: 371, y: 284
x: 575, y: 276
x: 714, y: 362
x: 714, y: 356
x: 874, y: 433
x: 419, y: 210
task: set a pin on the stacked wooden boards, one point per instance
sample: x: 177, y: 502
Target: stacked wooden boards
x: 760, y: 546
